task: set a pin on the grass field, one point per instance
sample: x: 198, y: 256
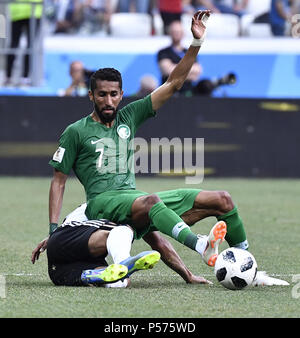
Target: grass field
x: 270, y: 209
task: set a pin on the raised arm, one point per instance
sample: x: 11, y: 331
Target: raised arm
x: 182, y: 69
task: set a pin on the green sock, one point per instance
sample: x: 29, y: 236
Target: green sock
x: 169, y: 223
x: 236, y: 235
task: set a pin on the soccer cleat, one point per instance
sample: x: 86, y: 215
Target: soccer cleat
x: 143, y: 261
x: 110, y: 274
x: 215, y: 237
x: 263, y: 279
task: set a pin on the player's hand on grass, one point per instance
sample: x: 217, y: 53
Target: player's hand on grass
x: 198, y: 280
x: 199, y: 23
x: 42, y: 246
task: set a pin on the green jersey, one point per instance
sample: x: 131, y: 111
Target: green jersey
x: 102, y: 157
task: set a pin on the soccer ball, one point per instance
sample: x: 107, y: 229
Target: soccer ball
x: 235, y: 268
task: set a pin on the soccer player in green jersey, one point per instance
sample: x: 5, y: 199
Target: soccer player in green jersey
x: 98, y: 149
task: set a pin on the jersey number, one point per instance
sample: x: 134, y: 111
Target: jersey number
x: 109, y: 156
x: 106, y: 162
x: 99, y: 162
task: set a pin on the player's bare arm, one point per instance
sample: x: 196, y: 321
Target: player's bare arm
x: 56, y: 194
x: 170, y: 257
x: 181, y: 71
x: 167, y: 66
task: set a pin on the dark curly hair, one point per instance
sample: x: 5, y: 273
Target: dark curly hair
x: 108, y: 74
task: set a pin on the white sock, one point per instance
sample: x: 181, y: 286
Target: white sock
x: 201, y: 244
x: 118, y: 284
x: 118, y: 243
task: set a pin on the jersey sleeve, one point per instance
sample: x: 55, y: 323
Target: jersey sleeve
x: 135, y: 113
x: 66, y: 154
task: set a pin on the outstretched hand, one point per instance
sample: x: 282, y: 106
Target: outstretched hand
x: 199, y: 23
x: 41, y: 247
x: 198, y: 280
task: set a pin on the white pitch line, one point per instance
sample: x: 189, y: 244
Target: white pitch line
x: 269, y: 274
x: 21, y: 274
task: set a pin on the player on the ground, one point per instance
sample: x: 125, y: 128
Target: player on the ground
x: 77, y: 251
x: 96, y: 147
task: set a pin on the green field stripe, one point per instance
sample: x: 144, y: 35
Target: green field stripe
x: 27, y: 149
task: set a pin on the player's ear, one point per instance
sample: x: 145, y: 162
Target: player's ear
x: 122, y: 93
x: 91, y: 96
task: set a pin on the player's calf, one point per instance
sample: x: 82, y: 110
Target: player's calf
x: 221, y: 205
x: 212, y: 203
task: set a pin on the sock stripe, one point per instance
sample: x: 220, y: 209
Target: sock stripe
x: 178, y: 228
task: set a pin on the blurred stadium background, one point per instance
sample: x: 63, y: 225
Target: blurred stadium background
x: 251, y: 123
x: 243, y: 44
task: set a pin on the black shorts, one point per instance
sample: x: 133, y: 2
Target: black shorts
x: 68, y: 254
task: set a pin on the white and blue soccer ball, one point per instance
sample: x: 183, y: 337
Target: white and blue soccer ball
x: 235, y: 268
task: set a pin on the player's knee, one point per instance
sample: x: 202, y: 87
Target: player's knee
x: 224, y: 201
x: 150, y: 200
x: 140, y: 209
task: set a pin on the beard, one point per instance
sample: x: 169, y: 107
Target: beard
x: 104, y: 117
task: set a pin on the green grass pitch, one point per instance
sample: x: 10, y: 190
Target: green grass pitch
x: 269, y: 208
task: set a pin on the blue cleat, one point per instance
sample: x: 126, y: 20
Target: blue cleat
x: 110, y: 274
x: 143, y: 261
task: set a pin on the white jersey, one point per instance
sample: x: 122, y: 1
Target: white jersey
x: 78, y: 218
x: 77, y: 215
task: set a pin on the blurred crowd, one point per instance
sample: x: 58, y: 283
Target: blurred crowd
x: 88, y: 17
x: 93, y: 16
x: 167, y: 58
